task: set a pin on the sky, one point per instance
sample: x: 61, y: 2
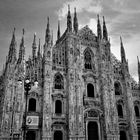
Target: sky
x: 122, y: 19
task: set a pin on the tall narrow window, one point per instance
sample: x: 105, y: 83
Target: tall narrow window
x: 137, y: 111
x: 58, y: 107
x: 118, y: 89
x: 120, y: 111
x: 32, y: 104
x: 90, y: 90
x: 58, y: 81
x: 88, y: 60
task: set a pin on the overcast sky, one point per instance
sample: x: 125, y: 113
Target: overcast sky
x: 122, y: 19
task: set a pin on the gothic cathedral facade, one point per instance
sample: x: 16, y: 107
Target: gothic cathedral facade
x: 79, y: 90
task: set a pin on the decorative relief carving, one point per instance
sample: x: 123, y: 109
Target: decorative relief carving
x: 92, y: 113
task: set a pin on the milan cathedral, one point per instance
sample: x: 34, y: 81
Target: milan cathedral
x: 75, y: 89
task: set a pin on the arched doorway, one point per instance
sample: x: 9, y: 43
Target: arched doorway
x: 123, y: 135
x: 30, y: 135
x: 58, y: 135
x: 138, y: 134
x: 93, y: 131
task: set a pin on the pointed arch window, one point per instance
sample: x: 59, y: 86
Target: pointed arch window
x: 58, y: 107
x: 90, y: 90
x: 32, y: 104
x: 118, y: 89
x: 137, y: 113
x: 120, y: 110
x: 58, y: 81
x: 88, y: 60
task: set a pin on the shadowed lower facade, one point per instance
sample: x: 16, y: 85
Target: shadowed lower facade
x: 77, y: 89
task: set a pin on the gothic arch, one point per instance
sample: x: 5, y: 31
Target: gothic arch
x: 58, y: 81
x: 117, y: 88
x: 58, y: 107
x: 88, y: 57
x: 120, y: 110
x: 90, y: 90
x: 137, y: 113
x: 137, y: 108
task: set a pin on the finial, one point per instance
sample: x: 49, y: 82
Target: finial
x: 48, y: 19
x: 14, y: 30
x: 98, y: 16
x: 68, y: 7
x: 48, y: 22
x: 138, y: 59
x: 39, y: 41
x: 58, y: 31
x: 103, y: 19
x: 23, y: 31
x: 121, y: 41
x: 34, y: 36
x: 52, y: 38
x: 120, y: 38
x: 75, y: 9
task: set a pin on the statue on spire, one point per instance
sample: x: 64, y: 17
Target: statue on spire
x: 69, y: 22
x: 21, y: 49
x: 12, y: 49
x: 34, y: 47
x: 48, y: 36
x: 138, y: 70
x: 99, y: 30
x: 123, y: 58
x: 58, y: 31
x: 105, y: 33
x: 75, y: 22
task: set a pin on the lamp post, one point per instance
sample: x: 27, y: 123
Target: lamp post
x: 27, y: 87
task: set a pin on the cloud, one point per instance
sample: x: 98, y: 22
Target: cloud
x: 81, y: 6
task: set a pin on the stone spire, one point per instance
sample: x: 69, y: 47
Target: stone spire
x: 39, y: 49
x: 99, y: 30
x: 48, y: 35
x: 138, y: 70
x: 52, y: 39
x: 75, y: 21
x: 12, y: 50
x: 21, y: 49
x: 58, y: 31
x: 123, y: 58
x: 105, y: 34
x: 34, y: 47
x: 69, y: 22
